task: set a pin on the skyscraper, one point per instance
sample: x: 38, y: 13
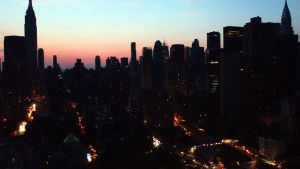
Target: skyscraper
x: 31, y: 38
x: 134, y: 67
x: 158, y: 66
x: 197, y: 65
x: 133, y: 52
x: 15, y: 85
x: 286, y: 21
x: 146, y: 78
x: 213, y: 71
x: 41, y: 61
x: 14, y: 55
x: 230, y: 73
x: 54, y: 61
x: 213, y: 40
x: 212, y: 61
x: 233, y: 38
x: 177, y: 74
x: 230, y: 84
x: 97, y: 63
x: 288, y: 51
x: 260, y: 46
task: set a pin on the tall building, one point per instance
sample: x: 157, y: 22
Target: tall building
x: 197, y: 64
x: 288, y: 48
x: 158, y: 62
x: 230, y: 72
x: 54, y: 61
x: 97, y: 63
x: 15, y: 75
x: 260, y: 45
x: 41, y: 59
x: 213, y: 72
x: 177, y: 72
x: 146, y: 78
x: 212, y: 61
x: 213, y: 40
x: 134, y: 67
x: 260, y: 63
x: 233, y: 38
x: 14, y: 55
x: 31, y: 38
x: 230, y: 84
x: 133, y: 52
x: 286, y: 21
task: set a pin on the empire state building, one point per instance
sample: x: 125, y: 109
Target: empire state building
x: 31, y: 39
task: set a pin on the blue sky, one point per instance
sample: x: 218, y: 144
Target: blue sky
x: 84, y: 28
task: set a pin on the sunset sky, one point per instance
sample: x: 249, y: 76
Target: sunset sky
x: 84, y: 28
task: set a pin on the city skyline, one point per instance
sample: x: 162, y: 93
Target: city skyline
x: 112, y: 37
x: 217, y: 98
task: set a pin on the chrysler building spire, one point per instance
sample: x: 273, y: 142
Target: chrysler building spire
x: 286, y: 20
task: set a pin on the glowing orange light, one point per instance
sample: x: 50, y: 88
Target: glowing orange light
x: 22, y: 128
x: 177, y: 119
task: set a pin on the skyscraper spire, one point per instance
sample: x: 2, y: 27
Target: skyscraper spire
x: 286, y: 20
x: 31, y: 39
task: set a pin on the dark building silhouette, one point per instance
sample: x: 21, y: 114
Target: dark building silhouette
x: 233, y: 38
x: 212, y: 61
x: 133, y: 52
x: 213, y: 72
x: 230, y: 84
x: 288, y: 56
x: 269, y: 74
x: 187, y: 55
x: 31, y: 38
x: 14, y: 55
x: 261, y: 46
x: 112, y: 64
x: 41, y: 59
x: 146, y: 77
x: 177, y: 71
x: 286, y: 21
x: 15, y: 75
x: 54, y: 61
x: 124, y: 63
x: 157, y: 68
x: 78, y: 64
x: 134, y: 67
x: 197, y: 65
x: 230, y: 73
x: 97, y: 63
x: 260, y: 66
x: 213, y: 40
x: 55, y: 64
